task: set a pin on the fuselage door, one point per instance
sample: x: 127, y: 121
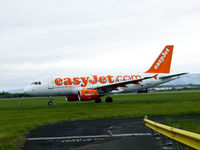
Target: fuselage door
x: 50, y: 83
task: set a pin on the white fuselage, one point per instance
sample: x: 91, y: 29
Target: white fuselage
x: 66, y: 85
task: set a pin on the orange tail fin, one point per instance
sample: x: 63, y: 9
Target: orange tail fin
x: 163, y: 62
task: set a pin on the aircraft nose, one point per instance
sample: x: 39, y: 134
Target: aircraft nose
x: 27, y: 91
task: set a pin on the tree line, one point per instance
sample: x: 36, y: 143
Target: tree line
x: 10, y: 95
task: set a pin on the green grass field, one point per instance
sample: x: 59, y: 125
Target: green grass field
x: 192, y: 126
x: 17, y: 118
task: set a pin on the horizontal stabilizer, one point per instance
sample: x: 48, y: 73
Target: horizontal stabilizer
x: 174, y: 75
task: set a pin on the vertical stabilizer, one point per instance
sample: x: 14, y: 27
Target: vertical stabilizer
x: 163, y: 62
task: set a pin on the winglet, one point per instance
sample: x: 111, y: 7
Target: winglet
x: 155, y: 77
x: 163, y: 62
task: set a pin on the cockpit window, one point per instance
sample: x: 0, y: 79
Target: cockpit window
x: 36, y: 83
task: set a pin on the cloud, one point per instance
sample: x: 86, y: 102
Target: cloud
x: 40, y: 38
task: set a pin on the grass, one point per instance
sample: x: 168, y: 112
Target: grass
x: 17, y: 122
x: 192, y: 126
x: 132, y: 97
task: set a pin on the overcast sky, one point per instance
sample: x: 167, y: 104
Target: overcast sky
x: 39, y: 38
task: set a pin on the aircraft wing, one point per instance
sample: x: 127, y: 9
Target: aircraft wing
x: 110, y: 87
x: 174, y: 75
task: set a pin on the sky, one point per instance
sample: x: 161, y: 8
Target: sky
x: 40, y: 38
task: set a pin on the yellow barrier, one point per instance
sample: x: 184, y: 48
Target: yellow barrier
x: 185, y: 137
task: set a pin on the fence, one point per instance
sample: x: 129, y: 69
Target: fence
x: 182, y: 137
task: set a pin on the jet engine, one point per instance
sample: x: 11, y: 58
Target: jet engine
x: 87, y: 95
x: 72, y: 98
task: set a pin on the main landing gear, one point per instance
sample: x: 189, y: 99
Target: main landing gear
x: 98, y: 100
x: 109, y: 99
x: 50, y: 103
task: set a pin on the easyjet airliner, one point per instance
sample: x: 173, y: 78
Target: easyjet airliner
x: 87, y: 88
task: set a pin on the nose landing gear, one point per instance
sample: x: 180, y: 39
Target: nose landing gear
x: 50, y: 103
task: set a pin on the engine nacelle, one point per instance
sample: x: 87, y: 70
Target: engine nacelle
x: 87, y: 95
x: 72, y: 98
x: 143, y: 91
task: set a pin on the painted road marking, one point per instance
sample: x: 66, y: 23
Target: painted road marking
x: 128, y: 134
x: 89, y: 136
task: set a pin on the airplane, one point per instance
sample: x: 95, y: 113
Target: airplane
x: 88, y: 88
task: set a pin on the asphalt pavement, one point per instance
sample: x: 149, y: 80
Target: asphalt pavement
x: 106, y: 134
x: 103, y: 134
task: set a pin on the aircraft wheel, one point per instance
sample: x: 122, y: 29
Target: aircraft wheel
x: 98, y: 100
x: 109, y: 99
x: 50, y: 103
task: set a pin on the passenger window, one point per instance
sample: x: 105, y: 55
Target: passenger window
x: 36, y: 83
